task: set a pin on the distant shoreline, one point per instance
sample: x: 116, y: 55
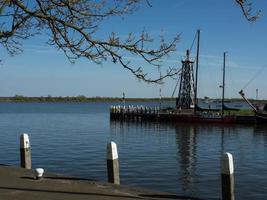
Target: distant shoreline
x: 74, y: 99
x: 19, y: 98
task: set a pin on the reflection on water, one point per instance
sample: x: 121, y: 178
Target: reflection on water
x: 182, y: 158
x: 186, y: 144
x: 198, y: 149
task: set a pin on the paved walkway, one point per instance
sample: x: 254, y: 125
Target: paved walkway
x: 20, y: 184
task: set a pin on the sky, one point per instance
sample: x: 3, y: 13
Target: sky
x: 42, y: 70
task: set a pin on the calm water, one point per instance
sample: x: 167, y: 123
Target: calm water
x: 182, y: 158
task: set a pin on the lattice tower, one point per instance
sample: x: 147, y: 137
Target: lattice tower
x: 186, y: 93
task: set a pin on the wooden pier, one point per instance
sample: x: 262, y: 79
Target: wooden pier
x: 146, y: 113
x: 142, y: 113
x: 134, y: 113
x: 27, y: 184
x: 21, y: 184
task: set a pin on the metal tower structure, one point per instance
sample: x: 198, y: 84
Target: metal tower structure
x: 186, y: 94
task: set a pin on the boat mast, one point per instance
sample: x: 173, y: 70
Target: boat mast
x: 197, y: 61
x: 223, y: 85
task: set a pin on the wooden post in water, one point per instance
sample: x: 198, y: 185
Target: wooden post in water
x: 227, y: 177
x: 25, y: 151
x: 113, y: 163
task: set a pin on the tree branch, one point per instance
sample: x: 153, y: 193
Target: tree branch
x: 73, y: 26
x: 246, y: 8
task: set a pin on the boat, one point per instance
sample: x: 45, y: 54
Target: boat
x: 225, y: 107
x: 203, y: 117
x: 209, y: 109
x: 188, y: 89
x: 187, y: 109
x: 260, y: 115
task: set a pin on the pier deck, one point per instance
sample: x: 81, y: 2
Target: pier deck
x: 20, y: 184
x: 140, y: 113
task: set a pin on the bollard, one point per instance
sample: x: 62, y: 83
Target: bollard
x: 25, y: 152
x: 227, y: 177
x: 39, y: 173
x: 113, y: 163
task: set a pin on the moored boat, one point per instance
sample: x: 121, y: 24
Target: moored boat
x: 187, y: 97
x: 260, y: 115
x: 187, y: 109
x: 204, y: 118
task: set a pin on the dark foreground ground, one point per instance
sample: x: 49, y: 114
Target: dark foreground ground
x: 20, y: 184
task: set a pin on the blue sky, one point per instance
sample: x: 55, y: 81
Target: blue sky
x: 41, y: 70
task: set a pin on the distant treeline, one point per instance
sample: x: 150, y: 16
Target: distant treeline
x: 80, y: 98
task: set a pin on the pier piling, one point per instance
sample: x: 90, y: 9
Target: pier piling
x: 113, y: 163
x: 25, y: 151
x: 227, y: 177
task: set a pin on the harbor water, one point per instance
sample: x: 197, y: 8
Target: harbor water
x: 71, y: 138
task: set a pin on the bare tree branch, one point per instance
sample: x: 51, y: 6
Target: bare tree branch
x: 246, y: 7
x: 73, y: 26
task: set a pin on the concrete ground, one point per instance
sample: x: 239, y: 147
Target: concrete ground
x: 20, y: 184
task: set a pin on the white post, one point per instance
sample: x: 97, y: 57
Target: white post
x: 25, y: 151
x: 227, y: 177
x: 123, y: 97
x: 113, y: 163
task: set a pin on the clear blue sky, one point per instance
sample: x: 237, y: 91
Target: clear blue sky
x: 41, y: 70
